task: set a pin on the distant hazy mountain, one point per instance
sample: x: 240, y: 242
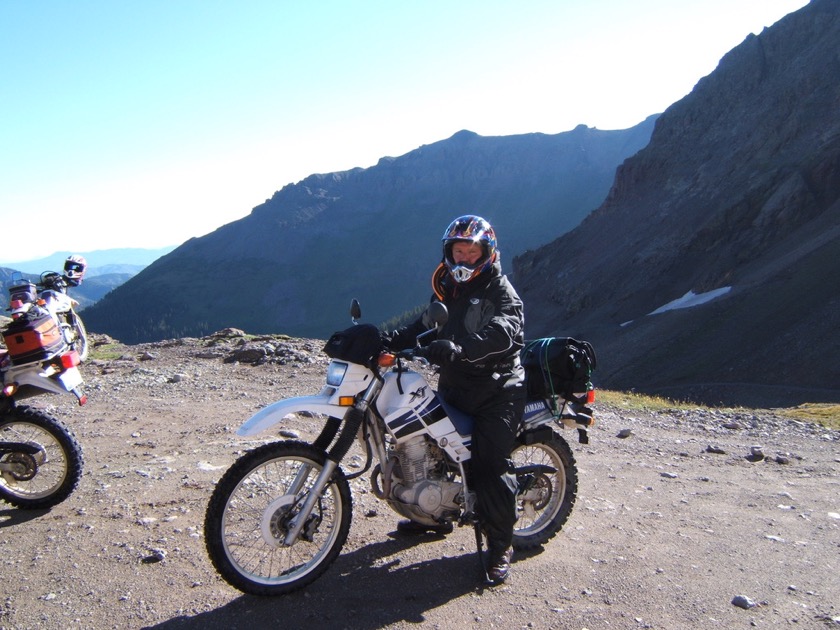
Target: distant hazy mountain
x: 296, y: 261
x: 107, y: 269
x: 123, y: 261
x: 736, y: 198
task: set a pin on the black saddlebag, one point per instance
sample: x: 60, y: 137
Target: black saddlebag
x: 357, y: 344
x: 558, y: 366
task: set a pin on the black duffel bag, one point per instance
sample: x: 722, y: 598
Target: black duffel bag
x: 357, y: 344
x: 558, y: 366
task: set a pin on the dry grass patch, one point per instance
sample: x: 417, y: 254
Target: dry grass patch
x: 825, y: 414
x: 633, y: 401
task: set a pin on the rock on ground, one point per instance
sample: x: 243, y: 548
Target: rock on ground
x: 677, y: 523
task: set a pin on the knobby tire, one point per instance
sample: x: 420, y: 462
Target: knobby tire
x: 247, y: 518
x: 546, y: 506
x: 80, y: 343
x: 53, y: 473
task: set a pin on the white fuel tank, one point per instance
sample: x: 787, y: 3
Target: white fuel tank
x: 418, y: 410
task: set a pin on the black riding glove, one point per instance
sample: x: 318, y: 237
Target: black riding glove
x: 442, y: 351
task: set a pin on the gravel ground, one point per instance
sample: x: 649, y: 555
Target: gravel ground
x: 676, y: 524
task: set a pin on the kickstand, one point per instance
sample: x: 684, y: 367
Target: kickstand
x: 480, y: 548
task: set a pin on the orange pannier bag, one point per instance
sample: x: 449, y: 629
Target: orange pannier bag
x: 33, y: 337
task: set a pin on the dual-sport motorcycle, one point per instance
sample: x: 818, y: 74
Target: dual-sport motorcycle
x: 40, y: 459
x: 281, y: 513
x: 50, y: 293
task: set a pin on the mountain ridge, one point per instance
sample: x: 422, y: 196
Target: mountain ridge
x: 106, y: 270
x: 113, y: 260
x: 295, y: 262
x: 738, y: 187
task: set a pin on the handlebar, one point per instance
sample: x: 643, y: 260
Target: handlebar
x: 413, y: 354
x: 389, y: 358
x: 52, y: 280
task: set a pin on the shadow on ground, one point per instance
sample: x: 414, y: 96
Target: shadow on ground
x: 359, y: 590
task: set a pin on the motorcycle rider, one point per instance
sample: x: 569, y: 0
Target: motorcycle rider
x: 480, y: 373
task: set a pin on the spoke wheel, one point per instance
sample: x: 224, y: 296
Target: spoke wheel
x: 45, y: 478
x: 253, y: 508
x: 544, y: 507
x: 80, y: 345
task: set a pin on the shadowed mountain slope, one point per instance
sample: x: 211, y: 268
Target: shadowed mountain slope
x: 295, y: 262
x: 738, y: 191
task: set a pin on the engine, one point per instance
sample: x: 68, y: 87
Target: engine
x: 418, y: 481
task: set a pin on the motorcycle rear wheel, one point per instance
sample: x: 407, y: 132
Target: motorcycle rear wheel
x: 46, y: 478
x: 248, y: 515
x: 544, y: 508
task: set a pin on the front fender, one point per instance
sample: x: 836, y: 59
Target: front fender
x: 268, y: 417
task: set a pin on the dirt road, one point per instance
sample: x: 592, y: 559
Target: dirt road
x: 673, y: 523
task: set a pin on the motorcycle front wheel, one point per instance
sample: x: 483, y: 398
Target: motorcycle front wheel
x: 80, y: 342
x: 40, y: 479
x: 252, y: 507
x: 544, y: 505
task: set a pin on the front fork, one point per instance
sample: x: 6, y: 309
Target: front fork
x: 353, y: 419
x: 297, y: 523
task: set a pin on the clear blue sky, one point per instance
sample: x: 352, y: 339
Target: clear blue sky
x: 146, y: 123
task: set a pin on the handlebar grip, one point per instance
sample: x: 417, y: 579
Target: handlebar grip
x: 418, y: 352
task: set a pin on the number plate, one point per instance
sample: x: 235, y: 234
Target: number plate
x: 71, y: 378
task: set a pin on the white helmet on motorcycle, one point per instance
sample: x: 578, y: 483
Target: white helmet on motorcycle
x: 74, y: 269
x: 469, y: 229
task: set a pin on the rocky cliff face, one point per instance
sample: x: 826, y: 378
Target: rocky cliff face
x: 295, y: 263
x: 739, y: 188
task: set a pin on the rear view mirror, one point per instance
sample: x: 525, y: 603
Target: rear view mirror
x: 438, y: 313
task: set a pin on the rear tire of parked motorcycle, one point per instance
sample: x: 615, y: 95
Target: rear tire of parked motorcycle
x: 249, y: 511
x: 544, y: 509
x: 47, y: 482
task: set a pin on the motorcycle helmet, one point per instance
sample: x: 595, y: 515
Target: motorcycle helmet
x: 469, y: 229
x: 74, y: 269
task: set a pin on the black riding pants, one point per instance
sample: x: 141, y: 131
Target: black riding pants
x: 497, y: 412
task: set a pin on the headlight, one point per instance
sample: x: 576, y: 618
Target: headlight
x: 335, y: 373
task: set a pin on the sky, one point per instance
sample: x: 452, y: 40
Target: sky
x: 144, y: 124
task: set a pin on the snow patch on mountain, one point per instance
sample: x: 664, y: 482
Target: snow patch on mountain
x: 691, y: 299
x: 687, y: 301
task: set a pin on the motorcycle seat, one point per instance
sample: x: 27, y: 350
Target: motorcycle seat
x: 462, y: 421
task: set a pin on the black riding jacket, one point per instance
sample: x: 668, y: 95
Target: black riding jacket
x: 486, y: 320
